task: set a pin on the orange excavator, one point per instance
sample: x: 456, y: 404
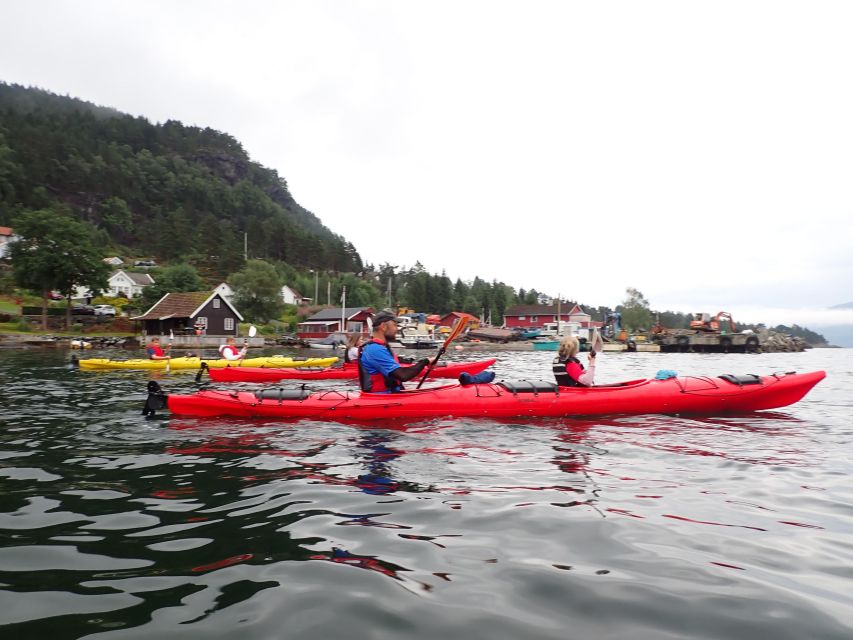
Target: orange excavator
x: 704, y: 322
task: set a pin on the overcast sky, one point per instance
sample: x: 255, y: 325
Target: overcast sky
x: 699, y: 152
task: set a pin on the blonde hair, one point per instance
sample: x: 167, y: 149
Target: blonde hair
x: 352, y: 340
x: 568, y: 347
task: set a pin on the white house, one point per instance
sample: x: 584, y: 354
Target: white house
x: 225, y: 290
x: 128, y: 283
x: 119, y: 283
x: 114, y: 261
x: 7, y: 237
x: 288, y: 295
x: 291, y: 296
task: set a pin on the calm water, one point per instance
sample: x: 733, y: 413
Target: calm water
x: 115, y: 527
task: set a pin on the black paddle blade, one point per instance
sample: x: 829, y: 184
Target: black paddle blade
x: 201, y: 370
x: 157, y: 400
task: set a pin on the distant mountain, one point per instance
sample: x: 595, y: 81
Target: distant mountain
x: 169, y: 191
x: 837, y: 335
x: 846, y: 305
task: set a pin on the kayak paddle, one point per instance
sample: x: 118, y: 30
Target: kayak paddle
x: 169, y: 349
x: 457, y: 330
x: 596, y: 345
x: 253, y: 331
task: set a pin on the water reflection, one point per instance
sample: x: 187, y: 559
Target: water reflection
x: 108, y: 522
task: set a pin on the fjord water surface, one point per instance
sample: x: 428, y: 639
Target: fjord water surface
x: 117, y: 527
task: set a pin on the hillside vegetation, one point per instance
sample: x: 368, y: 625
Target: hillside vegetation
x: 165, y: 190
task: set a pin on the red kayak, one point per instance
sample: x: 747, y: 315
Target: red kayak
x: 685, y: 396
x: 347, y: 372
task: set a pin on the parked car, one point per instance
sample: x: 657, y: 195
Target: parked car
x: 105, y: 310
x: 55, y: 295
x: 83, y: 310
x: 144, y: 263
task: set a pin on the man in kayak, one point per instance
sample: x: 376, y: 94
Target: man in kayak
x: 156, y: 352
x: 568, y: 370
x: 379, y: 370
x: 229, y: 350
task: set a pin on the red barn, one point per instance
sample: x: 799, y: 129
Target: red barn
x: 451, y: 318
x: 536, y: 315
x: 328, y: 321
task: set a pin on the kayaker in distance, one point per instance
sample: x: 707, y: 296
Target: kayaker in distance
x: 354, y: 341
x: 229, y: 350
x: 568, y: 370
x: 156, y: 352
x: 379, y: 370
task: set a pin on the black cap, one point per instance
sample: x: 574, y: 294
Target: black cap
x: 383, y: 316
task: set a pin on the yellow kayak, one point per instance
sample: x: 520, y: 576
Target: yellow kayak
x: 186, y: 364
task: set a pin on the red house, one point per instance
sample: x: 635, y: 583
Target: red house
x: 536, y: 315
x: 451, y: 318
x: 328, y: 321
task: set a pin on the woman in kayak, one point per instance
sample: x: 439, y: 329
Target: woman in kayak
x: 354, y: 341
x: 229, y: 350
x: 568, y: 370
x: 156, y: 352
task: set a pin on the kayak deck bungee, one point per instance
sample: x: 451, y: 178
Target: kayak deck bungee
x: 687, y: 395
x: 191, y: 363
x: 347, y: 372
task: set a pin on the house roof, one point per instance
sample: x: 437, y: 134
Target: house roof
x: 5, y: 231
x: 459, y: 314
x: 542, y: 309
x: 182, y: 305
x: 335, y: 314
x: 142, y: 279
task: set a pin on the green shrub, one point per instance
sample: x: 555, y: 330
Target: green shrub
x: 22, y: 325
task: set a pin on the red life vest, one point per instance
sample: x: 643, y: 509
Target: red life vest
x: 154, y: 351
x: 234, y: 350
x: 376, y: 382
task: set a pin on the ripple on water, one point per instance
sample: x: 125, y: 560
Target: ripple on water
x: 622, y: 527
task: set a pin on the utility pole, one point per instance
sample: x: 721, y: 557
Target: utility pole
x: 316, y: 285
x: 245, y: 246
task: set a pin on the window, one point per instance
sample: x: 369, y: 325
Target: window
x: 202, y: 321
x: 534, y: 318
x: 229, y: 324
x: 521, y: 317
x: 216, y: 302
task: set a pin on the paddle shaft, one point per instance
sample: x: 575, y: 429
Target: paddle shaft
x: 453, y: 335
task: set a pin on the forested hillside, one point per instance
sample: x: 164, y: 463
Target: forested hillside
x: 164, y: 190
